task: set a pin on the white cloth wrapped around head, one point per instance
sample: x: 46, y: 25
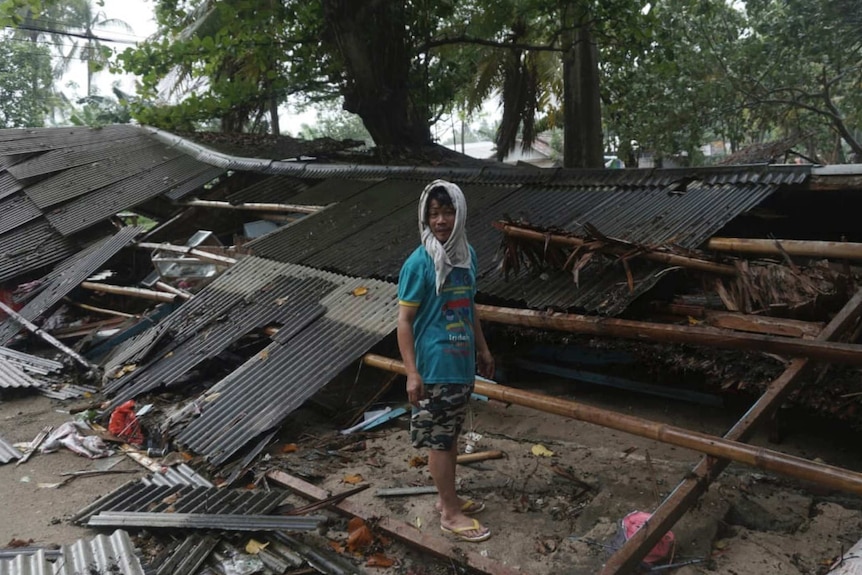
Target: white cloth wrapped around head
x: 455, y: 253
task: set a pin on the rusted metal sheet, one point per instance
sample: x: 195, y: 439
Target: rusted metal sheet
x: 31, y: 247
x: 73, y: 276
x: 262, y: 392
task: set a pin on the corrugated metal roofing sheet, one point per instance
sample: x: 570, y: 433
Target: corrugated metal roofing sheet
x: 81, y: 180
x: 180, y: 474
x: 71, y: 279
x: 273, y: 189
x: 288, y: 302
x: 186, y: 556
x: 8, y: 452
x: 9, y: 185
x: 101, y: 554
x: 207, y: 521
x: 136, y: 496
x: 30, y: 363
x: 199, y: 178
x: 33, y: 246
x: 263, y: 391
x: 125, y: 142
x: 30, y: 140
x: 12, y: 376
x: 16, y: 211
x: 102, y: 203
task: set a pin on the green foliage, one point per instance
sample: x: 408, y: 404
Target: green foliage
x: 96, y: 111
x: 25, y: 83
x: 338, y: 125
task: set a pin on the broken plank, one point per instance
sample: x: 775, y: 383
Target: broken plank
x: 402, y: 531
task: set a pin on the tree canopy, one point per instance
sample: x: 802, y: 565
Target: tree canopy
x: 666, y: 76
x: 25, y: 83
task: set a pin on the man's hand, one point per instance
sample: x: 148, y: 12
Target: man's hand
x: 415, y: 389
x: 485, y: 364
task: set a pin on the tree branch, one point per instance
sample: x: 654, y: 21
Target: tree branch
x: 448, y: 41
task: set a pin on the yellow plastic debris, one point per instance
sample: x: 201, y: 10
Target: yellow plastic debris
x: 541, y: 451
x: 360, y: 291
x: 253, y: 547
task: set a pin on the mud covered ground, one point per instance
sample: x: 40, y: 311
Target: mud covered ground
x: 552, y: 514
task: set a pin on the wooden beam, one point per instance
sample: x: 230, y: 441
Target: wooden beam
x: 760, y: 457
x: 255, y: 207
x: 777, y: 248
x: 435, y: 545
x: 743, y: 322
x: 645, y: 331
x: 708, y: 469
x: 662, y: 257
x: 33, y: 328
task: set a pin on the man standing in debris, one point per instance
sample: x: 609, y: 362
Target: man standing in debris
x: 442, y: 344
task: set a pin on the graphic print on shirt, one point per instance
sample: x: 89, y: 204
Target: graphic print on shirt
x: 456, y: 309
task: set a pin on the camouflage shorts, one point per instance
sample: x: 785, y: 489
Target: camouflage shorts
x: 437, y: 424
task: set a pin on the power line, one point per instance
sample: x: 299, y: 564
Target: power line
x: 52, y: 23
x: 72, y: 34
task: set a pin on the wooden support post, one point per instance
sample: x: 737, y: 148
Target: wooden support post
x: 801, y: 248
x: 708, y: 469
x: 813, y: 349
x: 199, y: 254
x: 130, y: 291
x: 33, y: 328
x: 402, y: 531
x: 662, y: 257
x: 762, y: 458
x: 255, y: 207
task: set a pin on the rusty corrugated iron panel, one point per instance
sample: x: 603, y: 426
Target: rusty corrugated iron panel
x: 81, y: 180
x: 262, y: 392
x: 12, y: 376
x: 100, y: 204
x: 33, y: 246
x: 16, y: 210
x: 71, y: 279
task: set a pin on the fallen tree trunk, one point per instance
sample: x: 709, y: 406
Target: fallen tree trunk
x: 801, y: 248
x: 663, y: 257
x: 762, y: 458
x: 639, y: 330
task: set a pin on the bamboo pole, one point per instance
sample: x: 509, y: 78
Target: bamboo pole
x: 176, y: 291
x: 33, y: 328
x: 801, y: 248
x: 478, y: 456
x: 129, y: 291
x: 744, y: 322
x: 708, y: 469
x: 760, y: 457
x: 666, y: 258
x: 100, y: 309
x: 255, y: 207
x: 641, y: 331
x: 200, y: 254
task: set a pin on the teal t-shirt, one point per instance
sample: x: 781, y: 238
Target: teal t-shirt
x: 443, y: 327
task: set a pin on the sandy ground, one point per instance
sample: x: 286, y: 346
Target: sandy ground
x: 749, y: 522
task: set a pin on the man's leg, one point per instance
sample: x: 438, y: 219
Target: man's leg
x: 441, y: 464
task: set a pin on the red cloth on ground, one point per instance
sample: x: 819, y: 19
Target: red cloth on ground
x: 125, y: 425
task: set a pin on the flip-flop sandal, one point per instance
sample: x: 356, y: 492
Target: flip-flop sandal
x: 459, y: 532
x: 471, y: 507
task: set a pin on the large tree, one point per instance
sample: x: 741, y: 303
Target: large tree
x: 25, y: 83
